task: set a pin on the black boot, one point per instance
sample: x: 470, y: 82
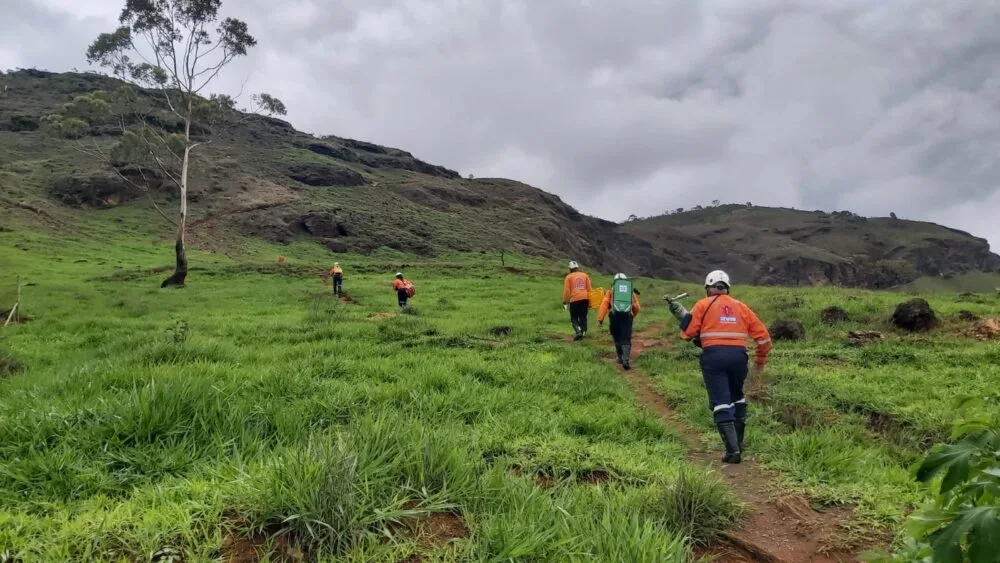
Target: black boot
x: 727, y: 430
x: 626, y: 356
x: 618, y: 353
x: 741, y: 426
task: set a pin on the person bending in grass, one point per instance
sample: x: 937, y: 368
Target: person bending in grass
x: 623, y: 302
x: 721, y: 326
x: 404, y: 289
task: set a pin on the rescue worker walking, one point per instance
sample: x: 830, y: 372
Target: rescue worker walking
x: 623, y: 302
x: 404, y: 289
x: 576, y: 296
x: 337, y: 275
x: 721, y: 326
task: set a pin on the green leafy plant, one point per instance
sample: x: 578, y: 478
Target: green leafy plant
x: 962, y: 524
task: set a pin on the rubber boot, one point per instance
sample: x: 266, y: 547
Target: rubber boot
x: 741, y: 426
x: 577, y: 333
x: 618, y: 354
x: 727, y: 430
x: 626, y: 356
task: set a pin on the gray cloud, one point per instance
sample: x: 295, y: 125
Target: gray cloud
x: 634, y: 106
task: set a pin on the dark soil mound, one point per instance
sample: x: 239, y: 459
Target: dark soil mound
x: 914, y: 315
x: 834, y: 315
x: 787, y: 329
x: 8, y: 365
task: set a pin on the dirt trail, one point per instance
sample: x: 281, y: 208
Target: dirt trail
x: 777, y: 528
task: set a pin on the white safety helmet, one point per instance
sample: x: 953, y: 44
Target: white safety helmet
x: 399, y: 274
x: 717, y: 277
x: 620, y: 277
x: 573, y: 265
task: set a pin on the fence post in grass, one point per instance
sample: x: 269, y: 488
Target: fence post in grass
x: 13, y: 310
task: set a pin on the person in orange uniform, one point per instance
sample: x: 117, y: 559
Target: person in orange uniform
x: 623, y: 302
x: 721, y: 326
x: 337, y: 275
x: 404, y: 289
x: 576, y: 296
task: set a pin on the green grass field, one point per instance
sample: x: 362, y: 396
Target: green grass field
x: 252, y: 409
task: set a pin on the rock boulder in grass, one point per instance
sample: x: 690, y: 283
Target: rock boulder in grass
x: 834, y: 315
x: 967, y: 315
x: 787, y: 329
x: 914, y: 315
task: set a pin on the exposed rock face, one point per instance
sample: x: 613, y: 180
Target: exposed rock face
x: 104, y: 190
x: 325, y: 175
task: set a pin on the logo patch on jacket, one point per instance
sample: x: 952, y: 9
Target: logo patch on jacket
x: 727, y: 315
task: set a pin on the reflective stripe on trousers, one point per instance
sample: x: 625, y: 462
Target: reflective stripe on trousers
x: 724, y: 369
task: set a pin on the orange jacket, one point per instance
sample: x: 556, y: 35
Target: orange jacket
x: 606, y: 305
x: 576, y: 287
x: 398, y: 284
x: 727, y: 322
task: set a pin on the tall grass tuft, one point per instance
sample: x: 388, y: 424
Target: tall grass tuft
x: 695, y: 505
x: 314, y: 493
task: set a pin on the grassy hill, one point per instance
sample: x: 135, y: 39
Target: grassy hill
x: 262, y: 180
x: 777, y: 246
x: 251, y: 413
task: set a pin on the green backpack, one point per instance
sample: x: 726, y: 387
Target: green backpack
x: 621, y: 296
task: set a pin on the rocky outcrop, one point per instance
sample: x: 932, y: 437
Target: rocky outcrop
x: 104, y: 190
x: 324, y: 175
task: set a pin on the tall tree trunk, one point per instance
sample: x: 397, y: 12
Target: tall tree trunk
x: 181, y: 266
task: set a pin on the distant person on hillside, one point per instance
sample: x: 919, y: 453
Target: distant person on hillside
x: 337, y: 275
x: 404, y: 289
x: 576, y: 297
x: 721, y: 326
x: 623, y: 302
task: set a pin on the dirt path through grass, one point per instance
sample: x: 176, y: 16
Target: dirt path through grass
x: 777, y: 527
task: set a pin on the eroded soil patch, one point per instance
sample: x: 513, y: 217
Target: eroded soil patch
x: 431, y: 531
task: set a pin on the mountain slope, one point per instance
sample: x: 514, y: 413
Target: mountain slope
x: 262, y: 178
x: 774, y: 246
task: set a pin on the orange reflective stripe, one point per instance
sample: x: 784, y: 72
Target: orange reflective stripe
x: 725, y: 335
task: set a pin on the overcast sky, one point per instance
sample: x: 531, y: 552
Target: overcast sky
x: 632, y: 106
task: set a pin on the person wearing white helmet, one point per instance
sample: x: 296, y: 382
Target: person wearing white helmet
x: 623, y: 302
x: 576, y: 297
x: 721, y: 327
x: 404, y: 289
